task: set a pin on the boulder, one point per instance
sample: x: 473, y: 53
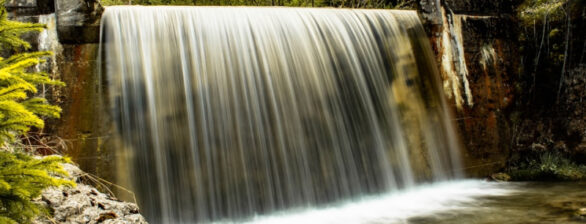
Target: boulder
x: 78, y: 21
x: 500, y: 177
x: 85, y: 204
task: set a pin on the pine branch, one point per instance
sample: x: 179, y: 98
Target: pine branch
x: 23, y: 177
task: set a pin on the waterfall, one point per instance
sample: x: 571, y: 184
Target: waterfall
x: 229, y: 112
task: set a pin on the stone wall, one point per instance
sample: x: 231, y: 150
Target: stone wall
x: 78, y: 21
x: 477, y: 49
x: 515, y: 103
x: 83, y: 124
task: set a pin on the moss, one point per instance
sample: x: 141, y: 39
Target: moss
x: 547, y: 166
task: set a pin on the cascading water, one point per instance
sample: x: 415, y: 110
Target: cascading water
x: 228, y: 112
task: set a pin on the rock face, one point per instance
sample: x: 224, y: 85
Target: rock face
x: 83, y: 117
x: 29, y: 7
x: 499, y: 177
x: 85, y: 204
x: 78, y: 21
x: 520, y: 99
x: 430, y: 11
x: 477, y: 52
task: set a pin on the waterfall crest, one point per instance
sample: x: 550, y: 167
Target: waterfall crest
x: 227, y: 112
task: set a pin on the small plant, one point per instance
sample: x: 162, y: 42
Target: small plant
x: 548, y: 166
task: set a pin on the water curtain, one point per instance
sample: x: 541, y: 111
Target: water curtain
x: 228, y: 112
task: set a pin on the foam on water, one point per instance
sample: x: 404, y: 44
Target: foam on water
x: 395, y: 207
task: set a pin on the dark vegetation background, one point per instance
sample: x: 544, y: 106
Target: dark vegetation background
x: 549, y: 118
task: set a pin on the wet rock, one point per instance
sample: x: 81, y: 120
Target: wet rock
x: 430, y: 11
x: 20, y: 3
x: 520, y: 104
x: 581, y: 212
x: 28, y: 8
x: 107, y: 216
x: 579, y: 215
x: 500, y: 177
x: 78, y: 20
x: 85, y: 204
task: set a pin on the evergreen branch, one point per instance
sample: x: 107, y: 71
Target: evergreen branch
x: 7, y: 220
x: 15, y: 92
x: 13, y: 80
x: 40, y: 78
x: 21, y: 64
x: 23, y: 177
x: 41, y: 107
x: 23, y: 56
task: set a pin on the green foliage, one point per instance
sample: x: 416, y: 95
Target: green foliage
x: 534, y: 11
x: 547, y: 40
x: 548, y: 166
x: 19, y: 110
x: 10, y: 31
x: 22, y: 178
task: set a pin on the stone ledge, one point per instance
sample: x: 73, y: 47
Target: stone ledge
x: 78, y: 21
x: 79, y: 34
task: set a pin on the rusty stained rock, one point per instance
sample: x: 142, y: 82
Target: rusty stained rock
x: 490, y: 55
x: 83, y: 125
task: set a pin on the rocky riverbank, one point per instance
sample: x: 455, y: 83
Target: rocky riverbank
x: 85, y: 204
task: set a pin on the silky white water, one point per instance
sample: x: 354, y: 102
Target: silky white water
x: 397, y: 207
x: 463, y: 201
x: 230, y: 112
